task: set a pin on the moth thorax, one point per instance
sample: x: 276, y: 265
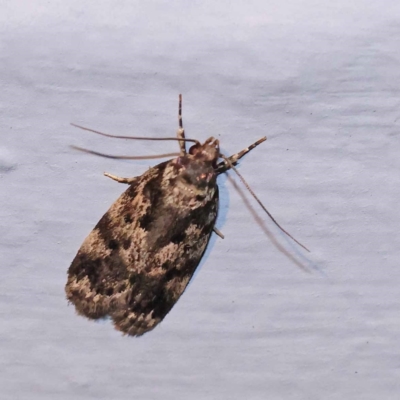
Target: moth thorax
x: 195, y: 182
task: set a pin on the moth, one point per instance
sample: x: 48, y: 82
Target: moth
x: 138, y: 260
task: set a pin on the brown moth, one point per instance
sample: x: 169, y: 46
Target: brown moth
x: 140, y: 257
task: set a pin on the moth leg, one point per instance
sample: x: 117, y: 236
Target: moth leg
x: 120, y: 180
x: 219, y: 233
x: 224, y: 166
x: 181, y: 132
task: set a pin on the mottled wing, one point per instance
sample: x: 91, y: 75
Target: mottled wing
x: 139, y: 258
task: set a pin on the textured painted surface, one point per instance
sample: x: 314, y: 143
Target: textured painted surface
x: 260, y: 319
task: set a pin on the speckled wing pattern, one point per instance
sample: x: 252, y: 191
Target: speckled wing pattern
x: 140, y: 257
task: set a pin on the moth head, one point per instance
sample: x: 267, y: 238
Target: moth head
x: 206, y: 152
x: 197, y: 171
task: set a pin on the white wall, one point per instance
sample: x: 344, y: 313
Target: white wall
x: 262, y: 319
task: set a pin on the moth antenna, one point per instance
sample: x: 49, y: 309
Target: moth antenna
x: 260, y: 203
x: 133, y: 137
x: 124, y: 157
x: 180, y: 112
x: 181, y: 132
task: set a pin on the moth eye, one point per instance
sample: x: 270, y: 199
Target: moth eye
x: 193, y: 149
x: 203, y: 176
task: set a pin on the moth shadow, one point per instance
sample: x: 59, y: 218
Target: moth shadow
x: 223, y: 208
x: 296, y: 256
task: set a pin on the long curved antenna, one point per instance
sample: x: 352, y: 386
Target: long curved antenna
x: 133, y: 137
x: 261, y: 204
x: 125, y: 157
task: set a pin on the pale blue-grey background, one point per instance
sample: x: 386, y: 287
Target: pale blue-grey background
x: 262, y: 319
